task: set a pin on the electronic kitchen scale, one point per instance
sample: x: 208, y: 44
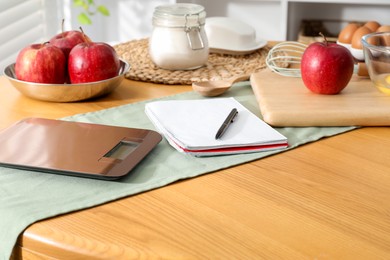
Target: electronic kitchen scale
x: 73, y: 148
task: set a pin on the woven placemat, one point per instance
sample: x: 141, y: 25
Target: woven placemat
x: 219, y: 66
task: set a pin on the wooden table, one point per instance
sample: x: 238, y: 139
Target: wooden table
x: 324, y: 200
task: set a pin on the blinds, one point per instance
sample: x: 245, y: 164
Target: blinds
x: 23, y: 22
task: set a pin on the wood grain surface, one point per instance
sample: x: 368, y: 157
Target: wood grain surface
x: 285, y: 101
x: 324, y: 200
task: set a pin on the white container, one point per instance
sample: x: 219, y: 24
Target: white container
x: 178, y: 40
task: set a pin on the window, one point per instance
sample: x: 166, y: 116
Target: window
x: 23, y: 22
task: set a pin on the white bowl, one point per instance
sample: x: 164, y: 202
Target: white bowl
x: 357, y: 53
x: 346, y: 45
x: 231, y: 36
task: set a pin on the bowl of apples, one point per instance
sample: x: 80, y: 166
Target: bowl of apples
x: 68, y: 68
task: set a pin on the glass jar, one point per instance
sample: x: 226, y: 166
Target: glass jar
x: 178, y: 40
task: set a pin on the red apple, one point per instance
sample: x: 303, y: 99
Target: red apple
x: 326, y: 68
x: 67, y: 40
x: 92, y: 61
x: 41, y: 63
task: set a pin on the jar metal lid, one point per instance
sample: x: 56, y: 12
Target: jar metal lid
x: 179, y: 15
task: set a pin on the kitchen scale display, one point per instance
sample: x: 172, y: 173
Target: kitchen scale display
x: 74, y: 148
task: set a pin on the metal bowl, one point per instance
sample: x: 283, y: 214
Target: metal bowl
x: 66, y: 92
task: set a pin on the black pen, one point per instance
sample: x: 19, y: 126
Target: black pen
x: 226, y: 123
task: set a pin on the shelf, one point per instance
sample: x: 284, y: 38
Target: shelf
x: 281, y: 19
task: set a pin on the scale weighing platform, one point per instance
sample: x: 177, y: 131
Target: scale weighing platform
x: 74, y: 148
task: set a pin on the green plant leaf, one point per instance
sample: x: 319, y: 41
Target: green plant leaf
x: 78, y: 3
x: 103, y: 10
x: 84, y: 19
x: 89, y: 10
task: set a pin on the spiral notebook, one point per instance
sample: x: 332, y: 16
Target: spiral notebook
x: 190, y: 126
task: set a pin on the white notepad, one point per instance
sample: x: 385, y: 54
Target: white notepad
x: 191, y: 125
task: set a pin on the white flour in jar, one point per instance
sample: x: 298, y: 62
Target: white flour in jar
x: 169, y: 49
x: 178, y: 40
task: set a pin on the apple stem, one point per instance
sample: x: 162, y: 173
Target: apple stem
x: 84, y: 36
x: 62, y: 28
x: 323, y: 36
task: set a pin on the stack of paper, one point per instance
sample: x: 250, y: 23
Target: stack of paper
x: 190, y: 126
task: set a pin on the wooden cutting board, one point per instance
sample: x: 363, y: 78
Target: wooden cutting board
x: 285, y: 101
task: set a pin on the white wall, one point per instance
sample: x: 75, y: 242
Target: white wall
x: 272, y: 19
x: 264, y: 16
x: 128, y: 20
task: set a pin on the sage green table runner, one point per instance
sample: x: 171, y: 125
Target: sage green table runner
x: 27, y: 197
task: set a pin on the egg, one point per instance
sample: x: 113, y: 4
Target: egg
x: 385, y: 40
x: 383, y: 28
x: 373, y: 41
x: 357, y: 36
x: 345, y: 36
x: 372, y: 25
